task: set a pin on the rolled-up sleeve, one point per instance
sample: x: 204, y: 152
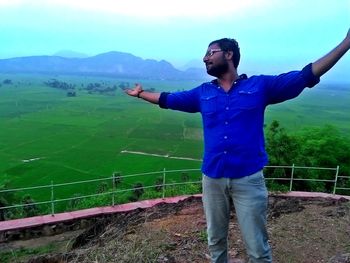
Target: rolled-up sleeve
x: 311, y: 79
x: 163, y: 100
x: 289, y: 85
x: 187, y: 101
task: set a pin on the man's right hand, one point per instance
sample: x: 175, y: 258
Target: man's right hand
x: 135, y: 91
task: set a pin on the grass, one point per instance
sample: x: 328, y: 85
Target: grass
x: 21, y: 254
x: 316, y: 107
x: 81, y: 138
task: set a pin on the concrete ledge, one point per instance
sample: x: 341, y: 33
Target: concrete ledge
x: 314, y: 195
x: 29, y: 222
x: 37, y: 221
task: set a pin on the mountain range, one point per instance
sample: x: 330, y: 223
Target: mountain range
x: 116, y: 64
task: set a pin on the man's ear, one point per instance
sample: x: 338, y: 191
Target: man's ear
x: 229, y: 54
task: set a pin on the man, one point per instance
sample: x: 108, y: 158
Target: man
x: 232, y: 108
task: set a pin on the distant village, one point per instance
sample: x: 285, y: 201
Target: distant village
x: 71, y: 89
x: 6, y: 82
x: 91, y: 88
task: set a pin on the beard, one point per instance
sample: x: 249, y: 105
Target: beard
x: 217, y: 70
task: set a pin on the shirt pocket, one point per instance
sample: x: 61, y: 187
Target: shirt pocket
x: 248, y: 99
x: 209, y: 104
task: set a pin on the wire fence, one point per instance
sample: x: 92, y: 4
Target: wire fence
x: 288, y: 176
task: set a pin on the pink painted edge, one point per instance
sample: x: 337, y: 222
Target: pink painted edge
x: 28, y: 222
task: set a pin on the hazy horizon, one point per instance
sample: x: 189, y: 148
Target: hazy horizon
x: 274, y: 36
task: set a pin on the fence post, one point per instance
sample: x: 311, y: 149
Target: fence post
x: 113, y: 189
x: 336, y: 179
x: 52, y: 200
x: 291, y: 179
x: 163, y: 195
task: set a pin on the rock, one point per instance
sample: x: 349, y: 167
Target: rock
x: 47, y: 230
x: 285, y: 207
x: 84, y: 223
x: 340, y: 258
x: 339, y: 211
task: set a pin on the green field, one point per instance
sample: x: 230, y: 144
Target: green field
x: 46, y: 136
x: 324, y: 104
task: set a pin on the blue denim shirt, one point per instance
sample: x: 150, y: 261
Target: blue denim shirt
x: 233, y: 121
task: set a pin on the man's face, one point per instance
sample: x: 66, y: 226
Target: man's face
x: 215, y: 61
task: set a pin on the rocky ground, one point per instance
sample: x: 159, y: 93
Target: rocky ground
x: 302, y: 230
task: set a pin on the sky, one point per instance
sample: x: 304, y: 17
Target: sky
x: 274, y: 35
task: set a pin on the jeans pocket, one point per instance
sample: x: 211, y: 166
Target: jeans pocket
x: 256, y: 178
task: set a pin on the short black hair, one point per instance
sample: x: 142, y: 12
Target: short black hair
x: 229, y: 44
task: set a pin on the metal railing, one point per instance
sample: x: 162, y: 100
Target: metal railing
x: 164, y: 185
x: 292, y: 179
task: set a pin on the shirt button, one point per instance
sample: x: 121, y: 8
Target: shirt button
x: 226, y: 122
x: 227, y: 108
x: 225, y: 152
x: 225, y: 137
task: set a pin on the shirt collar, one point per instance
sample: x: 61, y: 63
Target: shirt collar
x: 240, y: 78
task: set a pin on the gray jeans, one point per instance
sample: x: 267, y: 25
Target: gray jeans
x: 250, y: 199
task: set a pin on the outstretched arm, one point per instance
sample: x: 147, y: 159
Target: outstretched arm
x: 138, y: 92
x: 325, y: 63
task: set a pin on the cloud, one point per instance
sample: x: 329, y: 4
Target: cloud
x: 150, y: 9
x: 9, y: 3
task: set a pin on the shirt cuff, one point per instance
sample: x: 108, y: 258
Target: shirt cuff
x: 310, y: 78
x: 163, y: 100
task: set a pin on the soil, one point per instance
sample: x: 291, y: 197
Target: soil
x: 301, y: 230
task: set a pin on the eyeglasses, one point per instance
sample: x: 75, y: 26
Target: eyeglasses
x: 211, y: 52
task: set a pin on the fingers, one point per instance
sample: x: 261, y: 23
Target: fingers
x: 135, y: 90
x: 138, y: 86
x: 132, y: 92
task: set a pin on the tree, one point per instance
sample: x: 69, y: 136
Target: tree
x: 159, y: 184
x: 29, y: 208
x: 102, y: 187
x: 282, y: 150
x: 117, y: 178
x: 185, y: 177
x: 73, y: 203
x: 281, y: 147
x: 7, y: 82
x: 138, y: 191
x: 324, y: 147
x: 54, y: 83
x: 6, y: 199
x: 71, y: 93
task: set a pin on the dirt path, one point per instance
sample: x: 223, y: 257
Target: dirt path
x: 161, y: 155
x: 302, y: 230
